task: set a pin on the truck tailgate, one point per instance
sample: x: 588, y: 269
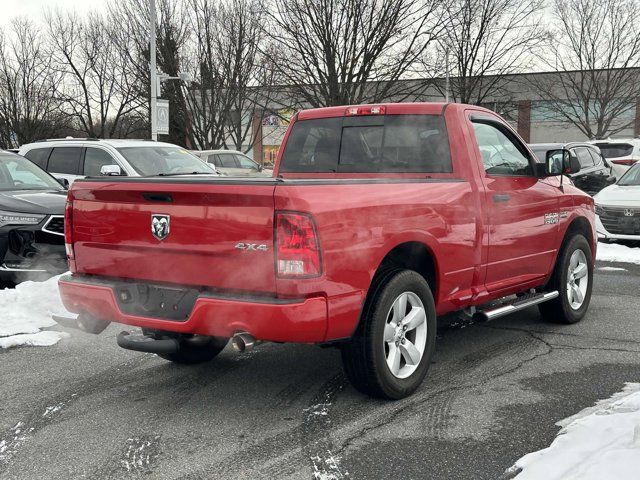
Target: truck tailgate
x: 207, y: 220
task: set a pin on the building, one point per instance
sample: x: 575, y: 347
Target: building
x: 516, y: 97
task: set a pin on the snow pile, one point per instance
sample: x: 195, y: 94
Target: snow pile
x: 25, y: 310
x: 613, y: 252
x: 599, y: 443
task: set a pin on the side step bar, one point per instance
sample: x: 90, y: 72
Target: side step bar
x: 515, y: 305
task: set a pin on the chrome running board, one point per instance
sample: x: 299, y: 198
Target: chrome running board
x: 515, y: 305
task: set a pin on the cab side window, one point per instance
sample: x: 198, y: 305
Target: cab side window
x: 245, y: 162
x: 597, y: 159
x: 584, y: 158
x: 227, y: 160
x: 95, y: 159
x: 213, y: 158
x: 501, y: 155
x: 65, y: 160
x: 39, y: 156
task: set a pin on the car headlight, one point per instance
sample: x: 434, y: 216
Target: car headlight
x: 599, y: 210
x: 14, y: 218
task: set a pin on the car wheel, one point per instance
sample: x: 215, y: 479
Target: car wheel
x: 391, y: 351
x: 573, y: 279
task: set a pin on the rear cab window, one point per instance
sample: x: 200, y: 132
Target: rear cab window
x: 400, y: 143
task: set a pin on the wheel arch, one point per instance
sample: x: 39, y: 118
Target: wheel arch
x: 579, y: 226
x: 408, y: 255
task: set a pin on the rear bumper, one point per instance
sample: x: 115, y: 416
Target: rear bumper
x: 269, y: 319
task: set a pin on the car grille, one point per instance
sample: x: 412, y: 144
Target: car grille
x: 616, y: 222
x: 54, y: 225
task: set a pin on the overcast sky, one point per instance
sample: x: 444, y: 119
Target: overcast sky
x: 34, y: 8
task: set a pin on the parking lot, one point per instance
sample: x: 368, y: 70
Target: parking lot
x: 85, y: 408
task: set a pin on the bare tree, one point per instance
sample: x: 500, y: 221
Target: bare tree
x: 95, y: 88
x: 349, y: 51
x: 232, y: 79
x: 29, y: 110
x: 486, y: 41
x: 597, y: 44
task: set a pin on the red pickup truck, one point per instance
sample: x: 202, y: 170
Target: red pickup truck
x: 378, y: 219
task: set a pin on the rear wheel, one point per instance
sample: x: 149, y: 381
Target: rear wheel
x: 193, y: 349
x: 573, y: 278
x: 391, y: 351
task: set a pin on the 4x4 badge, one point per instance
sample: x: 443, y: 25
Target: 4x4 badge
x: 160, y: 225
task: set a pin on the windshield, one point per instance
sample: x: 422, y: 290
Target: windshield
x: 17, y: 173
x: 632, y: 177
x: 160, y: 159
x: 615, y: 150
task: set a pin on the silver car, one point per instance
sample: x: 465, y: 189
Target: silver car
x: 72, y: 158
x: 232, y: 163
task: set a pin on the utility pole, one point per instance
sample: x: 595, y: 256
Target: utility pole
x: 154, y: 71
x: 446, y: 67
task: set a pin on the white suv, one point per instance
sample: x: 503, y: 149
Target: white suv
x: 73, y: 158
x: 621, y: 153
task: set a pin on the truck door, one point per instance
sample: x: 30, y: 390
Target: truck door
x: 521, y: 210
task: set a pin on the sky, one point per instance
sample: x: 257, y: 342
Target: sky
x: 34, y: 8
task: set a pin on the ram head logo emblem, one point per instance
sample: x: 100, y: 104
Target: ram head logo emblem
x: 160, y: 225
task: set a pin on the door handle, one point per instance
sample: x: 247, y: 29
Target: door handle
x: 501, y: 198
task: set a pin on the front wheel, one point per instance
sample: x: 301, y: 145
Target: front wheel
x: 573, y: 278
x: 391, y: 351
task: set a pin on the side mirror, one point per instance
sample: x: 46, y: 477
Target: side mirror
x: 560, y: 162
x: 611, y: 179
x: 110, y: 170
x: 64, y: 182
x: 260, y: 167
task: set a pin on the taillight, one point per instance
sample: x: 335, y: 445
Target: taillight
x: 297, y: 246
x: 68, y: 232
x: 368, y: 110
x: 627, y: 162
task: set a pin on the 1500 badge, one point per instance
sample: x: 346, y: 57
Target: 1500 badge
x: 551, y: 218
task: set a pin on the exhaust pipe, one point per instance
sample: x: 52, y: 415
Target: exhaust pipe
x: 242, y: 341
x: 83, y: 322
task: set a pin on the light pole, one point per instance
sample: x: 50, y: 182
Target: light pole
x: 446, y: 67
x: 154, y: 71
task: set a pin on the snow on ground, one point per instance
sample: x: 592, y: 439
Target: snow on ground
x: 599, y: 443
x: 27, y: 309
x: 613, y: 252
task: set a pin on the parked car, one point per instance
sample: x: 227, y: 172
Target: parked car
x: 73, y: 158
x: 618, y: 208
x: 595, y: 172
x: 620, y: 152
x: 31, y: 221
x: 232, y: 163
x: 381, y: 217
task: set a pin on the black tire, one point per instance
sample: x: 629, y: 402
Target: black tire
x: 559, y: 310
x: 364, y: 357
x: 195, y: 350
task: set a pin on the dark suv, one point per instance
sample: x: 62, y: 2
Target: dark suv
x: 595, y: 172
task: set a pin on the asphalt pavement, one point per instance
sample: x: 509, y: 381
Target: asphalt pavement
x: 85, y: 408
